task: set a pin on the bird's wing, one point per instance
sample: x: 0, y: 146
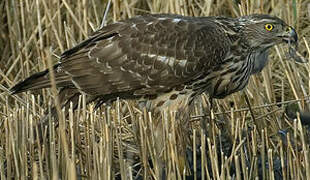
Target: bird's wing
x: 145, y: 55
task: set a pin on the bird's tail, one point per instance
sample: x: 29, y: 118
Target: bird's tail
x: 41, y: 80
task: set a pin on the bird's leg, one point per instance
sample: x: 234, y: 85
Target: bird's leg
x: 203, y: 121
x: 156, y: 127
x: 250, y: 108
x: 211, y: 107
x: 183, y: 133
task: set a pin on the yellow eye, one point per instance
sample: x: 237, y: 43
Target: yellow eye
x: 268, y: 27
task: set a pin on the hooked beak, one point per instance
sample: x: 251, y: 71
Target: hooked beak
x: 290, y: 35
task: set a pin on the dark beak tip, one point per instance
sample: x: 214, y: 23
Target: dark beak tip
x: 293, y: 34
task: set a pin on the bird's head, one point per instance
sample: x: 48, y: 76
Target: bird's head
x: 263, y: 31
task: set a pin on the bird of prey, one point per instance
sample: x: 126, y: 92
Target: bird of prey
x: 165, y: 59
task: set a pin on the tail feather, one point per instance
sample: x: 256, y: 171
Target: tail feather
x: 40, y: 80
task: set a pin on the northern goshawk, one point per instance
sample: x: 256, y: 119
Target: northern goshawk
x: 165, y: 58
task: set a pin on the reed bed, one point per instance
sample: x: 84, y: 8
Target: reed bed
x: 118, y: 141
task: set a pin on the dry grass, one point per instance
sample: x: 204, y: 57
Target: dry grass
x: 118, y: 141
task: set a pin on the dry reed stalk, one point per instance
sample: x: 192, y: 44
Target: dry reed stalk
x: 119, y: 141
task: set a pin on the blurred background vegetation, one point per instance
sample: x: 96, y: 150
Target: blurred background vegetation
x: 119, y: 141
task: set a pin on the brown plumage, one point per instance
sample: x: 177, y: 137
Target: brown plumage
x: 165, y: 58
